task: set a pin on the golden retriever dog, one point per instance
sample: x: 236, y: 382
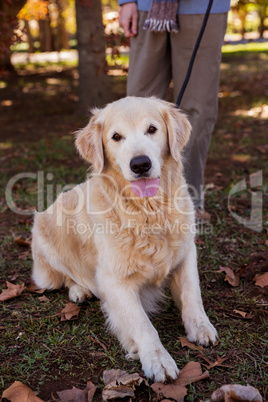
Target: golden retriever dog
x: 128, y: 232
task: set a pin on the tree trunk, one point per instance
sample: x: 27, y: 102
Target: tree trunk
x: 243, y: 16
x: 29, y: 36
x: 93, y: 80
x: 62, y: 39
x: 8, y: 22
x: 261, y: 27
x: 45, y: 36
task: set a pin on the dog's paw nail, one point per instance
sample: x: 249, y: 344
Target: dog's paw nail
x: 160, y: 366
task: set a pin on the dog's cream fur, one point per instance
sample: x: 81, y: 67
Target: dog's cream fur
x: 100, y: 239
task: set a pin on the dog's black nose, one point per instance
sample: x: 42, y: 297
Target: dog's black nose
x: 140, y: 164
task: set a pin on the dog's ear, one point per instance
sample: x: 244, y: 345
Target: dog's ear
x: 89, y: 142
x: 178, y: 128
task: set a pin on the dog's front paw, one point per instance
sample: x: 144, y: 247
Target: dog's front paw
x: 201, y: 332
x: 159, y: 365
x: 78, y: 293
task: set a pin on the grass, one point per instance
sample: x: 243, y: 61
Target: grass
x: 245, y: 48
x: 49, y: 355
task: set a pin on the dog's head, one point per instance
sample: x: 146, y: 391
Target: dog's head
x: 134, y: 136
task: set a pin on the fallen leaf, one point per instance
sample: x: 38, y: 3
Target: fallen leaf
x: 185, y: 342
x: 119, y: 384
x: 21, y: 242
x: 19, y: 392
x: 78, y: 395
x: 217, y: 363
x: 11, y: 291
x: 261, y: 280
x: 32, y: 287
x: 175, y: 391
x: 70, y: 312
x: 230, y: 276
x: 91, y: 391
x: 243, y: 314
x: 236, y: 392
x: 43, y: 298
x: 191, y: 373
x: 112, y: 375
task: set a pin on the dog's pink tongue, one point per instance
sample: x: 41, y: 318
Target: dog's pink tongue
x: 145, y: 187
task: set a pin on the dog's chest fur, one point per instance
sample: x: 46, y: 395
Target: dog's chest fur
x: 148, y: 244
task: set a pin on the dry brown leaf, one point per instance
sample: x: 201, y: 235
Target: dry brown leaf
x: 119, y: 384
x: 19, y: 392
x: 261, y: 280
x: 185, y: 342
x: 11, y: 291
x: 21, y: 242
x: 236, y: 392
x: 174, y: 391
x: 192, y: 372
x: 217, y: 363
x: 91, y: 388
x: 78, y: 395
x: 32, y: 287
x: 43, y: 298
x: 243, y: 314
x: 230, y: 276
x: 70, y: 312
x: 112, y: 375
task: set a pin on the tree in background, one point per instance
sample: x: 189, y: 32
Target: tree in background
x: 50, y: 16
x: 8, y: 23
x: 243, y: 7
x: 62, y: 37
x: 38, y: 11
x: 262, y: 9
x: 93, y: 79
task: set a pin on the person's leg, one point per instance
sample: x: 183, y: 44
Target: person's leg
x: 200, y: 101
x: 150, y: 62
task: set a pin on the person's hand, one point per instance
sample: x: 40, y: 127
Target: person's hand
x: 128, y: 19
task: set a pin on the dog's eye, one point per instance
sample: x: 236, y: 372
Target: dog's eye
x: 116, y: 137
x: 152, y: 129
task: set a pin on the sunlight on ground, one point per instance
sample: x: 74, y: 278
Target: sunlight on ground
x: 241, y: 158
x: 7, y: 102
x: 233, y: 94
x: 245, y: 47
x: 116, y: 73
x: 260, y: 112
x: 5, y: 145
x: 53, y: 81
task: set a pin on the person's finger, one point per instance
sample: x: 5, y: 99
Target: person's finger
x: 126, y: 27
x: 134, y: 26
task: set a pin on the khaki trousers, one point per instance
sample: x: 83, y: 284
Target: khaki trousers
x: 157, y: 58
